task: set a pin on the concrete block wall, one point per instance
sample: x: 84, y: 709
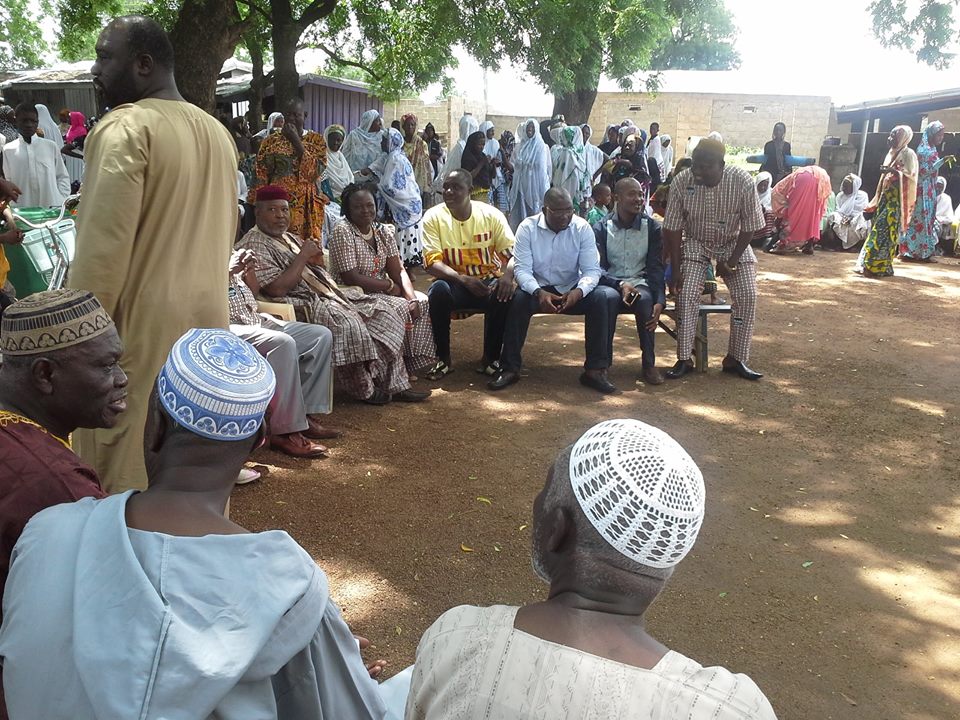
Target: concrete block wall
x: 445, y: 115
x: 743, y: 120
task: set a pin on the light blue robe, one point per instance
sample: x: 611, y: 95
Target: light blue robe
x: 105, y: 622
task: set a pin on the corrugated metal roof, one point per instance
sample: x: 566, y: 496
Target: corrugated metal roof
x: 919, y: 103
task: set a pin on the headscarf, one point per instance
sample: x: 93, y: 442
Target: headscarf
x: 338, y: 172
x: 941, y: 184
x: 765, y: 196
x: 932, y: 129
x: 853, y: 204
x: 408, y: 116
x: 904, y: 161
x: 492, y: 146
x: 666, y: 153
x: 398, y: 186
x: 471, y: 159
x: 78, y: 126
x: 468, y: 126
x: 531, y: 167
x: 7, y: 128
x: 655, y: 152
x: 51, y: 129
x: 714, y: 135
x: 271, y: 119
x: 362, y: 147
x: 569, y: 162
x: 595, y: 156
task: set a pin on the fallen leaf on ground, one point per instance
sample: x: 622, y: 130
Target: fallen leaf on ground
x: 807, y: 564
x: 523, y: 527
x: 496, y: 547
x: 466, y: 548
x: 483, y: 499
x: 723, y: 594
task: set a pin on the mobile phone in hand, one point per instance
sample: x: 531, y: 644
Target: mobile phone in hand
x: 631, y: 297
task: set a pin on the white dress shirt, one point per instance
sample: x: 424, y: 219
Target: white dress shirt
x: 563, y: 260
x: 37, y: 168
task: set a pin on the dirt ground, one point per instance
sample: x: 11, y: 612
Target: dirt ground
x: 827, y: 566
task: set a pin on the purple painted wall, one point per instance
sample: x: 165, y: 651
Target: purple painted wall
x: 328, y: 102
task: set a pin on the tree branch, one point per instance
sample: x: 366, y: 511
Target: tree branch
x: 317, y: 10
x: 256, y: 8
x: 345, y: 61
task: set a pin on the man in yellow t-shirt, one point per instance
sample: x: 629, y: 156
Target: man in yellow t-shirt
x: 467, y: 247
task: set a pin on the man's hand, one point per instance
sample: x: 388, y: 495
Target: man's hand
x: 236, y: 262
x: 654, y: 317
x: 626, y: 289
x: 309, y: 249
x: 549, y: 302
x: 414, y: 309
x: 505, y: 289
x: 726, y: 268
x: 8, y: 191
x: 377, y: 666
x: 570, y: 299
x: 476, y: 286
x: 11, y: 237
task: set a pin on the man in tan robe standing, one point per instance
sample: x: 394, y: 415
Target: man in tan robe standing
x: 155, y: 226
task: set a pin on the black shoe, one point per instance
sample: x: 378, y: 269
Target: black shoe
x: 412, y: 396
x: 681, y: 368
x: 600, y: 384
x: 377, y: 397
x: 504, y: 379
x: 738, y: 368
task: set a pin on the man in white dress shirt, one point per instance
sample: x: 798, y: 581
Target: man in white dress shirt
x: 34, y: 163
x: 557, y: 266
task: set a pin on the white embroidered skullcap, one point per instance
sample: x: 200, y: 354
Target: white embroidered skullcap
x: 641, y: 491
x: 215, y: 385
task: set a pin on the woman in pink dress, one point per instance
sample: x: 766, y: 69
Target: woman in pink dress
x: 800, y: 202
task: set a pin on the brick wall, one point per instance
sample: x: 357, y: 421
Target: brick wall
x: 743, y: 120
x: 445, y: 115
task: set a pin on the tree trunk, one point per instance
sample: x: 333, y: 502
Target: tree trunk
x: 257, y: 86
x: 286, y: 79
x: 204, y: 36
x: 575, y: 106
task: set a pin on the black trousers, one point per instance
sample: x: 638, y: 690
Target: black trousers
x: 642, y: 308
x: 599, y: 309
x: 446, y: 297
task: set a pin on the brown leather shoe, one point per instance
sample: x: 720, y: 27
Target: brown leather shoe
x: 317, y: 431
x: 296, y: 445
x: 652, y: 376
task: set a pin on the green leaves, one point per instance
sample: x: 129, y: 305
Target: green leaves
x: 931, y: 28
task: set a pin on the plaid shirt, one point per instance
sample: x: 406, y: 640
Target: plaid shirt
x: 713, y: 217
x: 243, y: 305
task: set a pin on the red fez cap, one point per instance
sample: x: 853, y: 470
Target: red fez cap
x: 272, y: 192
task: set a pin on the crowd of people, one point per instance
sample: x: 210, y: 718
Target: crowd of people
x: 131, y: 400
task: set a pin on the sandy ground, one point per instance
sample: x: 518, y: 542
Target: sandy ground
x: 827, y: 565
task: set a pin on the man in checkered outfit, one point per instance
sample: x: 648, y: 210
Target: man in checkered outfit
x: 715, y: 210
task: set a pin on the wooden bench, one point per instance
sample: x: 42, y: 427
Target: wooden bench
x: 701, y: 348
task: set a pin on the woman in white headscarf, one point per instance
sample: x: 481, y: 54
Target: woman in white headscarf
x: 274, y: 124
x: 595, y: 156
x: 51, y: 131
x: 468, y: 126
x: 362, y: 146
x: 570, y: 163
x: 666, y: 153
x: 401, y: 194
x: 335, y: 178
x: 531, y: 173
x: 846, y: 223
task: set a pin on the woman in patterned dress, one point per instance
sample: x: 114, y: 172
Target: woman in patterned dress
x: 363, y: 253
x: 399, y: 193
x: 919, y: 241
x: 893, y: 204
x: 295, y: 160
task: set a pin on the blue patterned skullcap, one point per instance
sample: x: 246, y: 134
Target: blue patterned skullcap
x: 215, y: 385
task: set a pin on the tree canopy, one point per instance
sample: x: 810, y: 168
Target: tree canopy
x: 929, y: 29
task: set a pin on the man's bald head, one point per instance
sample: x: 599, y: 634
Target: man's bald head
x: 629, y: 196
x: 708, y: 162
x: 557, y: 209
x: 460, y: 177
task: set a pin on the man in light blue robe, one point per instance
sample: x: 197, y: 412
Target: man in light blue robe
x: 154, y: 605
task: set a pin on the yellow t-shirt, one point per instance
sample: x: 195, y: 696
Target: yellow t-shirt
x: 476, y: 247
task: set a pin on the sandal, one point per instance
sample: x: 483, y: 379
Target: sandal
x: 492, y: 369
x: 439, y: 371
